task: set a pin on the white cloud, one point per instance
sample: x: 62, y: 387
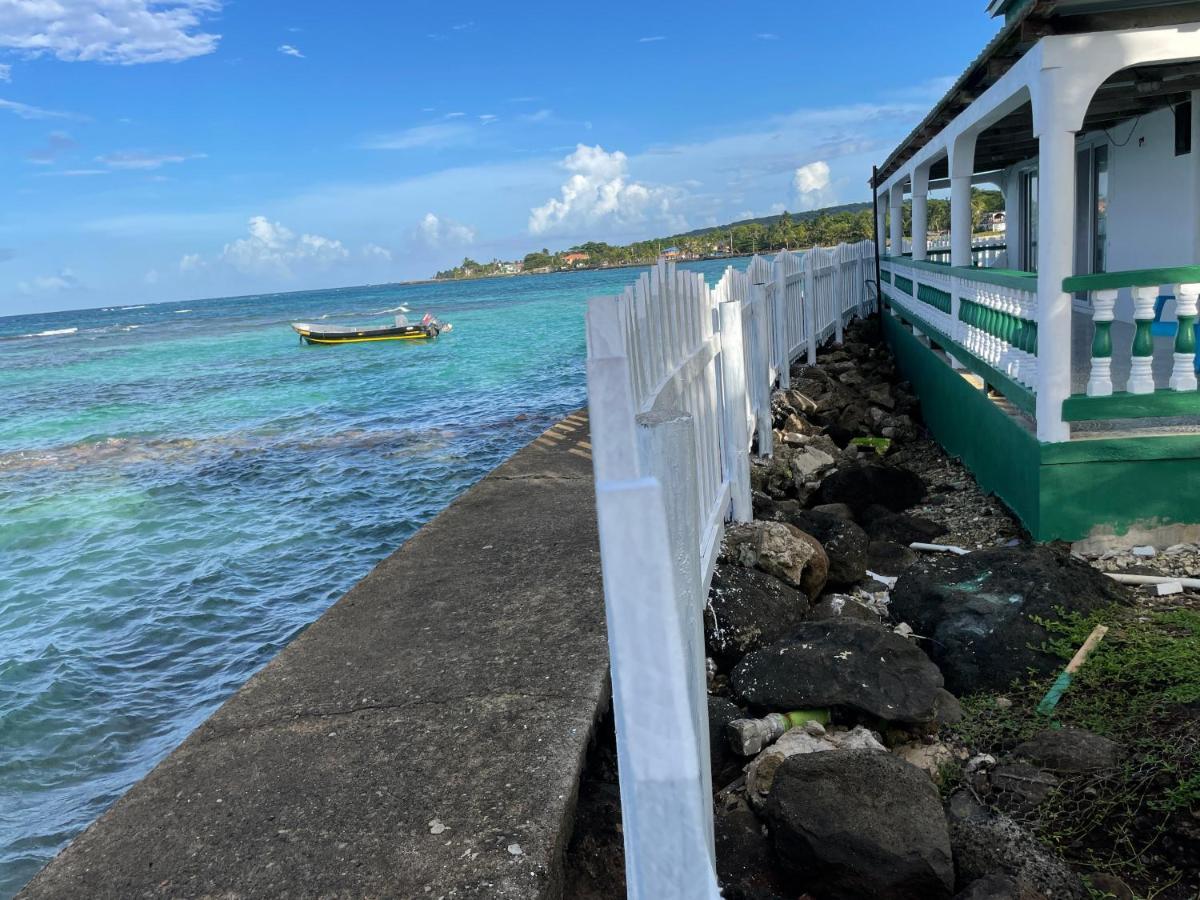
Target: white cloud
x: 138, y: 159
x: 441, y: 135
x: 651, y: 40
x: 190, y: 262
x: 151, y: 277
x: 25, y: 111
x: 65, y: 280
x: 812, y: 184
x: 5, y: 72
x: 289, y: 50
x: 374, y: 251
x: 124, y: 32
x: 464, y: 26
x: 76, y: 173
x: 599, y: 190
x: 275, y: 248
x: 541, y: 115
x: 487, y: 118
x: 437, y: 232
x: 454, y: 115
x: 767, y: 36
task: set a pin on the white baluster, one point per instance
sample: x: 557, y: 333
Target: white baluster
x: 1100, y: 382
x: 1183, y: 376
x: 1141, y: 365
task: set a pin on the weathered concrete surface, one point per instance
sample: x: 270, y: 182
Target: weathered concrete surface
x: 458, y: 682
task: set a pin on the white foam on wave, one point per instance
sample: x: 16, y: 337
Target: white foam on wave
x: 143, y: 306
x: 52, y: 332
x: 178, y: 311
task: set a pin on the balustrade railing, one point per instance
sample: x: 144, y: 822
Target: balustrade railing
x: 985, y: 320
x: 1139, y: 396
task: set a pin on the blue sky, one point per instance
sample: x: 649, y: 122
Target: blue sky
x: 175, y: 149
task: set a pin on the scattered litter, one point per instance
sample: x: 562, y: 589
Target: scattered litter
x: 980, y: 761
x: 436, y: 826
x: 1166, y: 588
x: 1046, y: 707
x: 748, y: 737
x: 938, y: 548
x: 879, y: 444
x: 1146, y: 551
x: 1193, y: 583
x: 903, y: 629
x: 515, y: 850
x: 888, y: 580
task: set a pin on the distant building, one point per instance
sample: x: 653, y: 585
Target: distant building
x: 672, y: 253
x: 993, y: 221
x: 575, y: 258
x: 512, y: 268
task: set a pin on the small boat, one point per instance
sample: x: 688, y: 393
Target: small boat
x: 400, y: 330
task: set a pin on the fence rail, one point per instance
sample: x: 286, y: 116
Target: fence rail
x: 680, y: 377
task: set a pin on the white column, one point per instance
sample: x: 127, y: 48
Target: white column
x: 896, y: 205
x: 962, y: 165
x: 881, y: 221
x: 1196, y: 176
x: 920, y: 211
x: 1056, y: 256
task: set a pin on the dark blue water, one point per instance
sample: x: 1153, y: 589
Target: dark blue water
x: 184, y: 487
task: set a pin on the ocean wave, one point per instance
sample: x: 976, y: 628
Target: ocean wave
x: 53, y: 332
x: 182, y: 311
x: 143, y: 306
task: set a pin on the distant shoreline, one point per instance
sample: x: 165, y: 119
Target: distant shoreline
x: 633, y: 265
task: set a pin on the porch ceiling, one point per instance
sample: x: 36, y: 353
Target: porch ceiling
x: 1117, y: 100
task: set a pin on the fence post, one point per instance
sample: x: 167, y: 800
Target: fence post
x: 666, y: 815
x: 668, y: 442
x: 810, y: 303
x: 839, y: 299
x: 762, y: 377
x: 782, y: 350
x: 733, y: 406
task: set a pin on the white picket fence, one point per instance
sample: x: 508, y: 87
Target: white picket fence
x: 680, y: 377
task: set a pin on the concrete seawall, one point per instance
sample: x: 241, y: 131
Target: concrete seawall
x: 424, y: 738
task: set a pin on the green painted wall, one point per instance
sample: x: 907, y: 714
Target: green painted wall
x: 1002, y: 455
x: 1059, y: 491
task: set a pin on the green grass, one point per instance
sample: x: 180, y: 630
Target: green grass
x: 1141, y: 688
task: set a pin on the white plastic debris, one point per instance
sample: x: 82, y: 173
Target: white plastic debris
x: 436, y: 826
x: 903, y: 629
x: 883, y: 579
x: 1146, y: 551
x: 1168, y: 587
x: 938, y: 548
x: 515, y: 850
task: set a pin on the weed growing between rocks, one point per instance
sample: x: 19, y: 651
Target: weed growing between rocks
x: 1137, y: 818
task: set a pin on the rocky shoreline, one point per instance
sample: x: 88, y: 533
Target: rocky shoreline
x: 872, y: 705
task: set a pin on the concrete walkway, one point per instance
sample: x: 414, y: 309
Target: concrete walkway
x: 424, y: 738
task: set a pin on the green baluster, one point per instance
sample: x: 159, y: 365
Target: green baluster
x: 1183, y: 375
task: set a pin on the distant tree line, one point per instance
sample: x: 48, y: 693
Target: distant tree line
x: 824, y: 228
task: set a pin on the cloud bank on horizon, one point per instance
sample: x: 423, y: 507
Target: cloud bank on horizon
x: 167, y: 149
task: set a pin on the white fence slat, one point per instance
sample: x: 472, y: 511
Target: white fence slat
x: 663, y: 805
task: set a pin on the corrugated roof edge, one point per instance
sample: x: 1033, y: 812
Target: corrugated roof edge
x: 891, y: 164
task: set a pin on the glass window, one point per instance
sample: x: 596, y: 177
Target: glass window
x: 1100, y: 209
x: 1183, y: 128
x: 1029, y: 216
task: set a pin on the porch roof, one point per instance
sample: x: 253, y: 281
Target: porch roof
x: 1011, y: 140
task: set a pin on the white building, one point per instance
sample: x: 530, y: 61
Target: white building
x: 1067, y: 380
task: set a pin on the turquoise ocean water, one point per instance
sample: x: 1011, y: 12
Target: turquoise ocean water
x: 184, y: 487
